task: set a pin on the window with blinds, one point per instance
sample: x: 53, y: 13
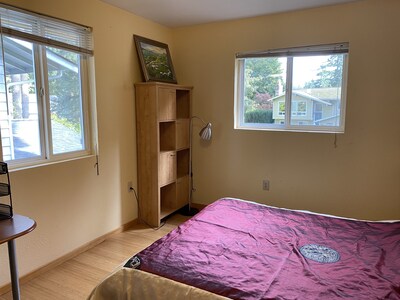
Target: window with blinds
x: 45, y: 96
x: 293, y: 89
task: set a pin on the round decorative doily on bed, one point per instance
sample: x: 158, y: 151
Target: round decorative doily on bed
x: 320, y: 253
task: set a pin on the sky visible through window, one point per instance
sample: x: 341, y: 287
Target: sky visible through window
x: 307, y: 70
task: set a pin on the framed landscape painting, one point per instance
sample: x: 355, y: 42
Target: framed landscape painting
x: 155, y: 60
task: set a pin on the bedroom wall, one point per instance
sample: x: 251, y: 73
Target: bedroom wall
x: 360, y: 177
x: 70, y: 203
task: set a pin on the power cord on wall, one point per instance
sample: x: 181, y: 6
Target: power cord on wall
x: 335, y: 141
x: 139, y: 215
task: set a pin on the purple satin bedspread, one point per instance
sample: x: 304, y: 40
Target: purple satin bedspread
x: 242, y: 250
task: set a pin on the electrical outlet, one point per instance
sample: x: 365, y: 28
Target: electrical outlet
x: 266, y: 184
x: 130, y: 187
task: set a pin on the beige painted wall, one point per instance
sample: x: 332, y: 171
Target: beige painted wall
x: 72, y: 205
x: 361, y: 176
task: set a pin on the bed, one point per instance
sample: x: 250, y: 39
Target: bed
x: 243, y: 250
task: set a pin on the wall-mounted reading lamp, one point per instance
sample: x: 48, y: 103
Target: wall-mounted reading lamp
x: 205, y: 134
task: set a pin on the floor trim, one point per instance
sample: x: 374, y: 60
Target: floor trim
x: 31, y: 275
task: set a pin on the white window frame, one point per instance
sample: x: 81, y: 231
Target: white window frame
x: 13, y: 25
x: 289, y: 53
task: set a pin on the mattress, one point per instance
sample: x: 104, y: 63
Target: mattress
x: 243, y: 250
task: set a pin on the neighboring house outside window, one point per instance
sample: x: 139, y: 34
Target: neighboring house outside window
x: 281, y: 109
x: 317, y: 115
x: 307, y: 109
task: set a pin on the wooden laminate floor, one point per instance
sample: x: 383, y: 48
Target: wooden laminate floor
x: 75, y: 279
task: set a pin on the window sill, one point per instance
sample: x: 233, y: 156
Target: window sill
x: 301, y: 130
x: 17, y: 168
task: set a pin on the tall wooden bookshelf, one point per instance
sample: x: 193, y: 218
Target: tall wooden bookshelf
x: 163, y: 114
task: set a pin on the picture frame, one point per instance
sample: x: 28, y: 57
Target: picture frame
x: 155, y: 60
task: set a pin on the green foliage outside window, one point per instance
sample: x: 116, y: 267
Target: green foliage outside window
x: 258, y: 116
x: 262, y: 79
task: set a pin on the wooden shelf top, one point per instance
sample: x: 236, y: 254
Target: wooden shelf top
x: 177, y: 86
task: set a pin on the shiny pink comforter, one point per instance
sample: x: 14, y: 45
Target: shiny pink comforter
x: 243, y: 250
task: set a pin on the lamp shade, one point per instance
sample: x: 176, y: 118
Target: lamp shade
x: 206, y: 132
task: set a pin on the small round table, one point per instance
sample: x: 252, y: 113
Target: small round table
x: 11, y: 229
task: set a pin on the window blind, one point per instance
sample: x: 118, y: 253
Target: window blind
x: 45, y: 30
x: 298, y: 51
